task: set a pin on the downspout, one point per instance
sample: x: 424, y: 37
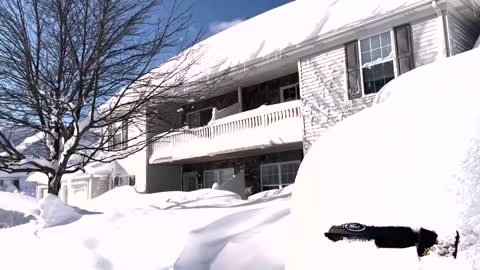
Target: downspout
x: 443, y: 33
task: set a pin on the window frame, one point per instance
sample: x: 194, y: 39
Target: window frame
x: 279, y: 166
x: 130, y: 178
x: 116, y: 130
x: 197, y: 111
x: 215, y: 170
x: 297, y: 85
x: 391, y: 31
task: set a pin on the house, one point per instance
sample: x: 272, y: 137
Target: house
x: 299, y: 69
x: 294, y: 72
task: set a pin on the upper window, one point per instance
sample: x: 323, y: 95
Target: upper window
x: 290, y: 92
x: 119, y: 139
x: 377, y: 62
x: 199, y: 118
x: 374, y: 61
x: 278, y: 175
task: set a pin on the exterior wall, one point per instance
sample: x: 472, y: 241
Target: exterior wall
x: 249, y: 165
x: 135, y: 164
x: 428, y: 39
x: 462, y: 33
x: 163, y: 178
x: 324, y: 87
x: 265, y: 93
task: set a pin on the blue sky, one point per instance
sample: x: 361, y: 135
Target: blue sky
x: 216, y: 15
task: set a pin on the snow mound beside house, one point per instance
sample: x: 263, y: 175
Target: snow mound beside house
x: 127, y: 197
x: 210, y: 229
x: 272, y: 193
x: 411, y: 160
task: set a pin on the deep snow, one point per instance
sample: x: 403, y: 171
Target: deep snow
x: 413, y: 159
x: 204, y: 229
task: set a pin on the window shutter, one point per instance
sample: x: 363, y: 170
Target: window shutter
x: 403, y: 44
x: 353, y: 70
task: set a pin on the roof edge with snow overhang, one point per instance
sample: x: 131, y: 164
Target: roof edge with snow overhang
x: 249, y: 45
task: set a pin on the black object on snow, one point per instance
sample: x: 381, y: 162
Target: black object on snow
x: 386, y: 237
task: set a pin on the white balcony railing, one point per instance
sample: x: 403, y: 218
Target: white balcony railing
x: 258, y: 128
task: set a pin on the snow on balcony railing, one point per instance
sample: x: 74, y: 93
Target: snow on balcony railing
x: 279, y: 123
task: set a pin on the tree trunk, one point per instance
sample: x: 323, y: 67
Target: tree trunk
x: 54, y: 184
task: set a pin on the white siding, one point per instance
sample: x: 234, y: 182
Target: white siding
x: 462, y: 33
x: 323, y: 90
x: 323, y: 80
x: 426, y: 36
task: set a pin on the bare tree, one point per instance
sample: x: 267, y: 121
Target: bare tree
x: 75, y: 73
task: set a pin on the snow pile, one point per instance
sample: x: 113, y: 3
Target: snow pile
x: 273, y: 193
x: 53, y: 212
x: 15, y: 209
x: 17, y: 202
x: 211, y: 229
x: 127, y: 197
x: 411, y: 160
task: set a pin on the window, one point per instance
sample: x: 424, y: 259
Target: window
x: 199, y: 118
x: 377, y: 62
x: 290, y: 92
x: 374, y: 61
x: 190, y: 181
x: 124, y: 180
x: 4, y: 184
x: 120, y: 135
x: 219, y: 176
x: 278, y: 175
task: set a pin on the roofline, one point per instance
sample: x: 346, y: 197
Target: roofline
x: 299, y: 49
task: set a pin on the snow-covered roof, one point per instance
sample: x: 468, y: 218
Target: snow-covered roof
x: 92, y: 169
x: 287, y: 27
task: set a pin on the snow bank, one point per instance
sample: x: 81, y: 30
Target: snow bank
x: 272, y: 193
x: 15, y: 209
x: 53, y: 212
x: 17, y: 202
x: 127, y: 197
x: 410, y: 160
x: 205, y: 229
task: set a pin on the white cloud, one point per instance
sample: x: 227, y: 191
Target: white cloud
x: 219, y: 26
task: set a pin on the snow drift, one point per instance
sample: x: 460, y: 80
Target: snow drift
x: 204, y: 229
x: 413, y: 159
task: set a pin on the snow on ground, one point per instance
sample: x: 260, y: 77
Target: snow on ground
x: 412, y: 159
x: 17, y: 202
x: 122, y: 229
x: 15, y: 209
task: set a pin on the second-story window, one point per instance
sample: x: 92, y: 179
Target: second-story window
x: 290, y: 92
x: 199, y: 118
x: 120, y: 135
x: 374, y: 61
x: 376, y: 56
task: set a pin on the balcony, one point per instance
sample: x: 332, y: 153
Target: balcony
x: 266, y: 126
